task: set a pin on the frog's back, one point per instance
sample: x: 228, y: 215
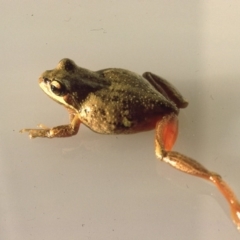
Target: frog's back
x: 129, y: 104
x: 129, y: 85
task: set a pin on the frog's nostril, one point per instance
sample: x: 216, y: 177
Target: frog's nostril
x: 43, y: 79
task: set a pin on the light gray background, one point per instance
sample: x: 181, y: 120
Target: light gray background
x: 111, y: 187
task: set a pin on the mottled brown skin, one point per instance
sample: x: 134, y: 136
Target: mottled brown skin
x: 117, y: 101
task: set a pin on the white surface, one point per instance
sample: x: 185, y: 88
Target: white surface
x: 111, y: 187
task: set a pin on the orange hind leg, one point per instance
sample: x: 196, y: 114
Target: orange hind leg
x: 166, y: 134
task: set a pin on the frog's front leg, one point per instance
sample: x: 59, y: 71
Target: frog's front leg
x: 166, y: 133
x: 59, y: 131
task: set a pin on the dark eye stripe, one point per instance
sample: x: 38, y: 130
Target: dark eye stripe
x: 46, y: 80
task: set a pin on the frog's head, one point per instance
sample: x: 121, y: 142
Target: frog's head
x: 69, y: 84
x: 60, y: 84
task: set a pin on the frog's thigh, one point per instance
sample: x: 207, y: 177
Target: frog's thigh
x: 166, y: 88
x: 166, y: 133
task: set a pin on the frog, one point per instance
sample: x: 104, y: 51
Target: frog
x: 119, y: 101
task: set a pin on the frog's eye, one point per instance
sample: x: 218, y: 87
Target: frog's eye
x: 58, y: 88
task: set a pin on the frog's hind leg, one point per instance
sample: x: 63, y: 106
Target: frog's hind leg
x: 166, y: 133
x: 166, y: 89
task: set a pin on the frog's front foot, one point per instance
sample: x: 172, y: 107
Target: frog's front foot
x: 59, y: 131
x: 42, y: 132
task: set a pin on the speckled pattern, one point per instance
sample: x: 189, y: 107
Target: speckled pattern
x: 110, y: 101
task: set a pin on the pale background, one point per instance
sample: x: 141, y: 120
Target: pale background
x: 111, y: 187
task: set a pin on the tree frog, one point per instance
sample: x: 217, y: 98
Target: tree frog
x: 118, y: 101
